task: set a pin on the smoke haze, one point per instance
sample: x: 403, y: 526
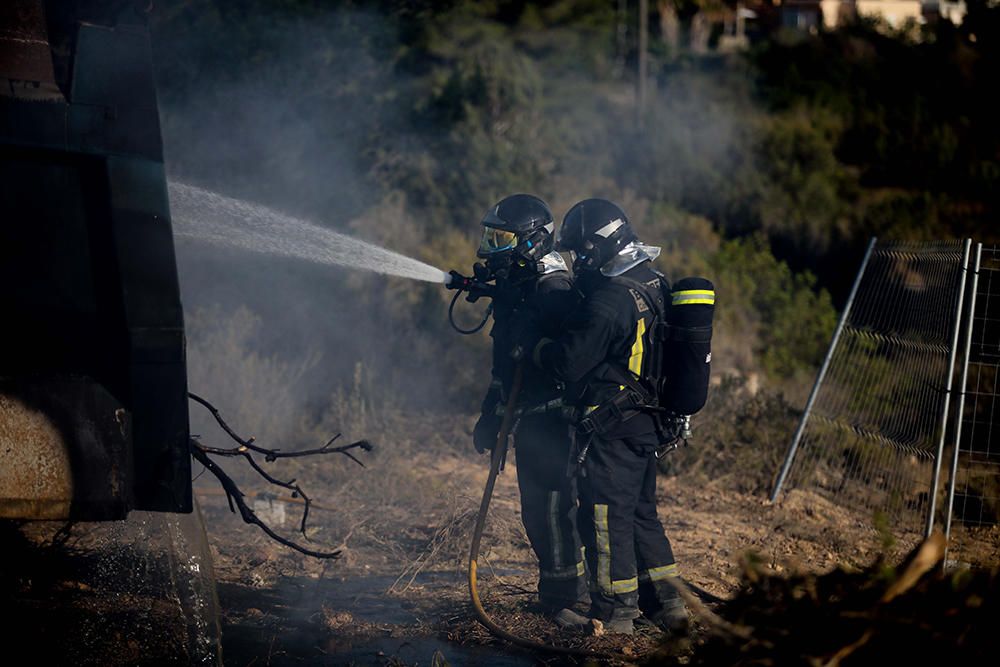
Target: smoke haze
x: 342, y: 118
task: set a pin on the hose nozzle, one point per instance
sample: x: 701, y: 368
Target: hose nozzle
x: 476, y: 287
x: 455, y: 280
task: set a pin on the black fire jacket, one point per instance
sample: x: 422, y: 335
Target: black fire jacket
x: 612, y: 328
x: 542, y: 303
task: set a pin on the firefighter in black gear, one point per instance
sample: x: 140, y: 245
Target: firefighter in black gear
x: 602, y: 355
x: 533, y: 284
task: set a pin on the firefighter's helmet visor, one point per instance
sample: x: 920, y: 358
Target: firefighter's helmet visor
x: 497, y: 240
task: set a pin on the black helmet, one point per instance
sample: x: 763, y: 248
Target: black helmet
x: 518, y: 231
x: 594, y: 231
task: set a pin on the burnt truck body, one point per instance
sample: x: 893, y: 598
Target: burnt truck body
x: 93, y: 386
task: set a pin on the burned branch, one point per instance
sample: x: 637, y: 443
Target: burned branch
x: 274, y: 454
x: 236, y: 501
x: 246, y: 449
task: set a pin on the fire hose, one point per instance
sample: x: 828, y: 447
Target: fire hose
x: 496, y: 462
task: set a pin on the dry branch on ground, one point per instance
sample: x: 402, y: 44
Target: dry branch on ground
x: 915, y: 613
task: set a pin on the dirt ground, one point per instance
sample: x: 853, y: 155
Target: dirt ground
x: 398, y: 593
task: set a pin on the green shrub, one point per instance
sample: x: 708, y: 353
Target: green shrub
x: 739, y: 440
x: 788, y: 322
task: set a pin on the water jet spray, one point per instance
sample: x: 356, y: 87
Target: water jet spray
x: 213, y: 218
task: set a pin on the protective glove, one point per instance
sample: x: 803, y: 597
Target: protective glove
x: 484, y: 435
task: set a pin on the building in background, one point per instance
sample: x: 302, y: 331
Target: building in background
x: 948, y: 11
x: 813, y: 15
x: 893, y: 13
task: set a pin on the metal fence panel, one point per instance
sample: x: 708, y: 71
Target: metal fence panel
x: 872, y: 436
x: 974, y: 489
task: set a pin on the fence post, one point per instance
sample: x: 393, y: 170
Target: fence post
x: 790, y: 454
x: 961, y: 397
x: 947, y: 391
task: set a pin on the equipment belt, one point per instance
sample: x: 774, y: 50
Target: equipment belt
x: 554, y: 404
x: 621, y: 407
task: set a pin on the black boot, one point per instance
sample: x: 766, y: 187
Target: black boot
x: 568, y: 619
x: 672, y: 616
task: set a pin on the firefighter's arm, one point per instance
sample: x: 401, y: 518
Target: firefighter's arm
x: 553, y: 300
x: 543, y: 315
x: 488, y: 425
x: 554, y: 306
x: 484, y: 435
x: 584, y: 345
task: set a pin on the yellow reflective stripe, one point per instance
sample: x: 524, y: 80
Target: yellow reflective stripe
x: 659, y: 573
x: 635, y: 361
x: 603, y: 548
x: 571, y: 572
x: 625, y: 585
x: 555, y: 535
x: 689, y: 296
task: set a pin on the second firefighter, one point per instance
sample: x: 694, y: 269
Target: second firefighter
x: 605, y: 356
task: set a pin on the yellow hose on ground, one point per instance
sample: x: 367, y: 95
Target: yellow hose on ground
x: 499, y: 452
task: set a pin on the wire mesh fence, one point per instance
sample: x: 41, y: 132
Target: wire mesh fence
x: 973, y: 515
x: 871, y: 435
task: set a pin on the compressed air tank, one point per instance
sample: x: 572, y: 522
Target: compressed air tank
x: 687, y: 354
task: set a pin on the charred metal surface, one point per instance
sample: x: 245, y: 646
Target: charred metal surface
x: 88, y: 278
x: 36, y: 479
x: 67, y: 442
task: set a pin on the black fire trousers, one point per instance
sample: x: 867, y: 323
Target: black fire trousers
x: 549, y: 507
x: 628, y: 553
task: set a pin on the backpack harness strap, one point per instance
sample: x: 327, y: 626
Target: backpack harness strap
x: 635, y: 397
